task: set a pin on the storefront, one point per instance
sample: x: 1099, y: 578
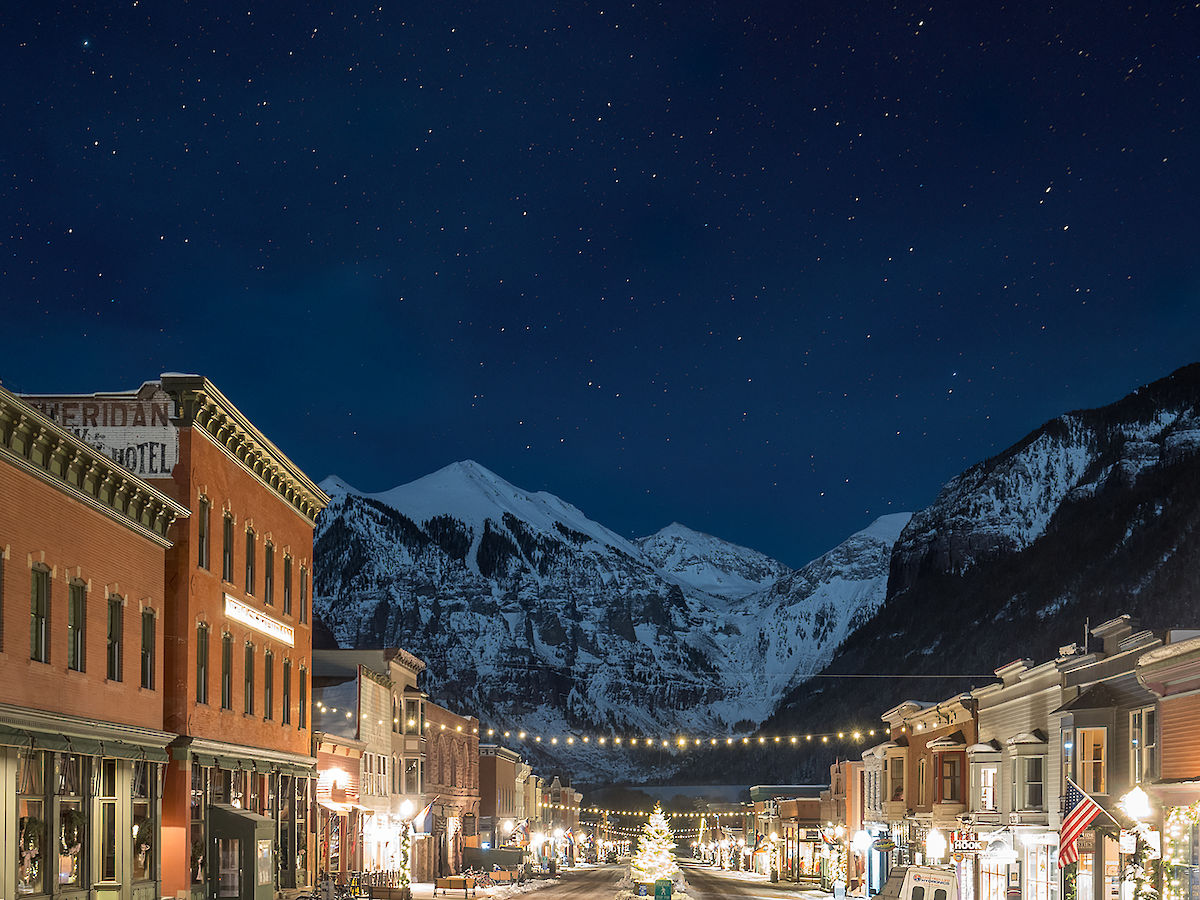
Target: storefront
x: 237, y: 805
x: 84, y: 815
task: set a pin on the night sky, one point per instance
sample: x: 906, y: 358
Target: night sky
x: 767, y: 269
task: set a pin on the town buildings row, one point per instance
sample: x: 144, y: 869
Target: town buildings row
x: 978, y: 781
x: 166, y: 728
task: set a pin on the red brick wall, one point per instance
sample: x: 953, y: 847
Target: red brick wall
x: 198, y: 595
x: 39, y: 523
x: 448, y: 745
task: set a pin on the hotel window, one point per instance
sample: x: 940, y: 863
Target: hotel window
x: 1143, y: 741
x: 1029, y: 776
x: 268, y: 685
x: 287, y: 585
x: 303, y: 595
x: 248, y: 685
x: 227, y: 671
x: 227, y: 548
x: 1093, y: 767
x: 269, y: 574
x: 987, y: 788
x: 301, y: 708
x: 116, y: 625
x: 1068, y: 755
x: 39, y: 615
x: 922, y: 782
x: 76, y: 626
x: 203, y: 527
x: 285, y: 715
x: 412, y: 775
x: 202, y: 663
x: 895, y: 767
x: 951, y: 766
x: 148, y: 649
x: 249, y: 560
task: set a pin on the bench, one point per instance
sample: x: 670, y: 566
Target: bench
x: 462, y: 883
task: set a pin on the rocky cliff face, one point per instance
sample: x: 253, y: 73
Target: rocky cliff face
x: 533, y: 616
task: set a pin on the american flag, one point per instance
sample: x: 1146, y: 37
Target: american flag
x: 1081, y: 811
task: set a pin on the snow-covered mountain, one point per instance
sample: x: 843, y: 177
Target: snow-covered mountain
x: 1093, y: 515
x: 530, y: 614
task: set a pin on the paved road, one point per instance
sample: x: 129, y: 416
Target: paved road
x: 600, y: 883
x: 708, y: 883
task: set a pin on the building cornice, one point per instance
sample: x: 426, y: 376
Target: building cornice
x: 32, y: 442
x: 199, y: 404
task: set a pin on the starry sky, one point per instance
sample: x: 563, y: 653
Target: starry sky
x: 767, y: 269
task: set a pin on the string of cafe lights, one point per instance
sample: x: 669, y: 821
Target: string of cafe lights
x: 599, y: 810
x: 616, y: 742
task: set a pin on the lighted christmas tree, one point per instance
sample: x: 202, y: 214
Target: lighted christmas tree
x: 654, y: 859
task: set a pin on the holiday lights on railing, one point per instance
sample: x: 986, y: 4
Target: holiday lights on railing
x: 616, y: 742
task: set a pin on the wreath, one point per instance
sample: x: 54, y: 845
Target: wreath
x: 144, y: 829
x: 32, y: 833
x: 70, y: 833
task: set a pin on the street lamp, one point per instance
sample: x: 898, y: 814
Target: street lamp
x: 1136, y: 804
x: 935, y: 844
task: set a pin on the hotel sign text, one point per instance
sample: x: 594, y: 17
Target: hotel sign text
x: 248, y: 615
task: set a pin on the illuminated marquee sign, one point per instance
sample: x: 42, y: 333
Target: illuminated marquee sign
x: 248, y: 615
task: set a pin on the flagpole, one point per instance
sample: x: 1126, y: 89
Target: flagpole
x: 1102, y: 809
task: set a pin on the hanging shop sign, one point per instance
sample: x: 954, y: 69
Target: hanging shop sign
x: 965, y: 842
x: 884, y: 845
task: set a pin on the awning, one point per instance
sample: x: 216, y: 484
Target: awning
x: 234, y: 764
x: 43, y: 740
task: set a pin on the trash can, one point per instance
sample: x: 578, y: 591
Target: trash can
x: 553, y: 867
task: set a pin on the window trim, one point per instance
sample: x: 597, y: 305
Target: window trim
x: 226, y: 670
x: 114, y: 669
x: 148, y: 647
x: 1084, y: 780
x: 204, y: 533
x: 227, y: 547
x: 77, y: 625
x: 39, y: 613
x: 287, y: 584
x: 202, y: 631
x: 269, y: 573
x: 1138, y: 752
x: 251, y: 553
x: 248, y: 681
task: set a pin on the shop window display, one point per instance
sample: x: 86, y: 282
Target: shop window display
x: 31, y: 824
x: 69, y: 771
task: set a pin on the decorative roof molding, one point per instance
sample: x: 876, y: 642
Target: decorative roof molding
x: 32, y: 442
x: 199, y: 404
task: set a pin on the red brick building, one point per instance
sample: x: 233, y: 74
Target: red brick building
x: 452, y: 785
x: 237, y: 635
x: 82, y: 613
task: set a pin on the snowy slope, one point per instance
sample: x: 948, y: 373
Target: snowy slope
x: 709, y: 564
